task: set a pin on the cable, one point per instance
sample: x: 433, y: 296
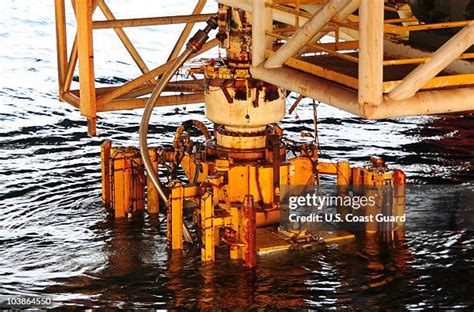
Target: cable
x: 194, y: 45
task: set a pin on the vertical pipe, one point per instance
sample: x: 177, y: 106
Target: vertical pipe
x: 153, y: 198
x: 357, y: 179
x: 127, y: 192
x: 86, y: 63
x: 207, y: 229
x: 399, y: 201
x: 343, y: 178
x: 249, y: 236
x: 343, y: 173
x: 274, y: 145
x: 61, y: 43
x: 175, y: 217
x: 121, y: 182
x: 261, y: 21
x: 105, y: 168
x: 138, y: 183
x: 371, y: 25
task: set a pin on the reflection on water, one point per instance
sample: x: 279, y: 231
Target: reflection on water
x: 56, y: 239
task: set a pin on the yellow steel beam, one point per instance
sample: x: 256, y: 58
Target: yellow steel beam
x: 207, y: 229
x: 370, y: 74
x: 153, y: 198
x: 186, y: 31
x: 420, y: 60
x: 152, y: 21
x: 290, y: 10
x: 175, y: 217
x: 139, y: 81
x: 292, y: 29
x: 401, y: 29
x: 170, y: 100
x: 319, y: 48
x: 72, y: 61
x: 72, y: 99
x: 61, y: 43
x: 71, y: 66
x: 343, y: 173
x: 86, y: 63
x: 397, y: 29
x: 400, y: 20
x: 335, y: 46
x: 437, y: 82
x: 105, y: 166
x: 173, y: 86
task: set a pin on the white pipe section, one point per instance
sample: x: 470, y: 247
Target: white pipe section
x: 310, y: 86
x: 342, y: 16
x: 305, y: 33
x: 423, y: 103
x: 371, y: 26
x: 400, y: 50
x: 421, y: 75
x: 259, y: 18
x: 391, y: 49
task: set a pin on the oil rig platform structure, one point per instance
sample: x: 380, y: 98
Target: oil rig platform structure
x: 379, y: 59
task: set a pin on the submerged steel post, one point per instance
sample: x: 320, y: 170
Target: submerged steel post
x: 175, y: 217
x: 153, y: 199
x: 105, y: 170
x: 249, y: 235
x: 207, y: 229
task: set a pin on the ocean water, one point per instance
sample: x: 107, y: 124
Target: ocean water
x: 57, y: 240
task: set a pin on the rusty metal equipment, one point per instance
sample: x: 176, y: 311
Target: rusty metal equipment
x: 366, y: 69
x: 237, y: 176
x: 234, y: 179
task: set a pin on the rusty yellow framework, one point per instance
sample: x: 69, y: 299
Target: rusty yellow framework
x: 372, y: 70
x: 338, y: 49
x: 91, y: 100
